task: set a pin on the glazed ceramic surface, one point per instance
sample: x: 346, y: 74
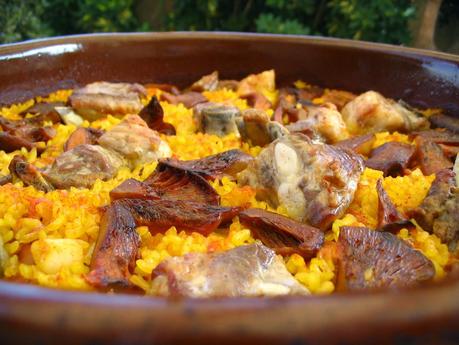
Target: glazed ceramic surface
x: 31, y: 314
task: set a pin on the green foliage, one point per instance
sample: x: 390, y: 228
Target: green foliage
x: 20, y: 20
x: 373, y: 20
x: 381, y: 20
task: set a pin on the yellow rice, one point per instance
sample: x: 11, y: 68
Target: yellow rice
x: 49, y: 237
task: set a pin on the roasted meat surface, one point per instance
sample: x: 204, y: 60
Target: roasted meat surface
x: 102, y: 98
x: 135, y: 142
x: 208, y: 82
x: 377, y: 259
x: 391, y: 158
x: 282, y: 234
x: 116, y: 248
x: 82, y: 166
x: 188, y: 99
x: 153, y: 115
x: 81, y: 136
x: 430, y: 156
x: 43, y: 112
x: 314, y: 181
x: 245, y: 271
x: 371, y: 112
x: 444, y: 121
x: 29, y: 174
x: 439, y: 212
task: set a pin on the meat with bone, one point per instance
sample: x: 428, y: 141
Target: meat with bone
x: 153, y: 115
x: 371, y: 112
x: 439, y: 212
x: 116, y: 248
x: 314, y: 181
x: 391, y: 158
x: 245, y: 271
x: 217, y: 118
x: 282, y: 234
x: 324, y: 120
x: 371, y: 259
x: 257, y: 127
x: 102, y: 98
x: 82, y: 166
x: 133, y: 140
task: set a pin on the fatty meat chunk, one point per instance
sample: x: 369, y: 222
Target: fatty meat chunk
x: 245, y: 271
x: 371, y: 113
x: 134, y: 141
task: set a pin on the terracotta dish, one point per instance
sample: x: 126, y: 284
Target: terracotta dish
x: 424, y: 315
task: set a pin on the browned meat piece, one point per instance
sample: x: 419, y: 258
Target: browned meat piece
x: 257, y: 100
x: 206, y: 83
x: 391, y: 158
x: 171, y: 183
x: 10, y: 143
x: 82, y: 136
x: 282, y: 234
x: 449, y: 151
x: 377, y: 259
x: 439, y: 212
x: 4, y: 179
x: 212, y: 167
x: 314, y: 181
x: 164, y: 87
x: 338, y: 97
x: 160, y: 215
x: 389, y: 218
x: 371, y: 113
x: 153, y: 115
x: 215, y: 118
x: 103, y: 98
x: 44, y: 112
x: 443, y: 121
x: 361, y: 144
x: 439, y: 136
x: 27, y: 131
x: 36, y: 134
x: 29, y: 174
x: 250, y: 270
x: 304, y: 127
x: 228, y: 84
x: 116, y: 248
x: 430, y: 156
x: 289, y: 97
x: 188, y: 99
x: 325, y: 120
x: 82, y: 166
x: 257, y: 128
x: 135, y: 142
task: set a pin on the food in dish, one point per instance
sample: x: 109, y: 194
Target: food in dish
x: 226, y: 188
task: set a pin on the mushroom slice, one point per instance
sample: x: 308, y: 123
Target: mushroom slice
x: 159, y: 215
x: 212, y: 167
x: 371, y: 259
x: 116, y: 248
x: 391, y: 158
x: 153, y: 115
x: 249, y: 270
x: 389, y: 218
x: 430, y: 156
x: 282, y: 234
